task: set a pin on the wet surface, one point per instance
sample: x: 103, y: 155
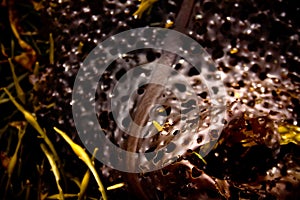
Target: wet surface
x: 255, y: 46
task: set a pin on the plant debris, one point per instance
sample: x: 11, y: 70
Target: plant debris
x: 255, y: 46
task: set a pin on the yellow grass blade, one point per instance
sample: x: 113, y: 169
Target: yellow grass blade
x: 32, y: 121
x: 200, y: 157
x: 157, y: 126
x: 79, y: 151
x: 86, y: 178
x: 145, y: 5
x: 54, y: 170
x: 116, y: 186
x: 20, y: 92
x: 57, y: 196
x: 14, y: 158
